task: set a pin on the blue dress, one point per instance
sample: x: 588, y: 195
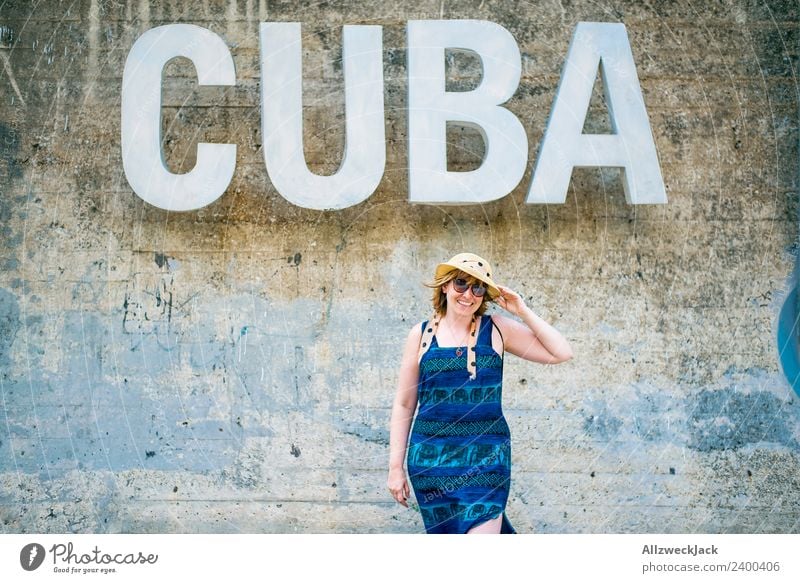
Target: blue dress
x: 459, y: 453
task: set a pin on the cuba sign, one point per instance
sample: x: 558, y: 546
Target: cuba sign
x: 430, y: 108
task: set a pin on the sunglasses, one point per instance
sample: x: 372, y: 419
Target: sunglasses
x: 461, y: 285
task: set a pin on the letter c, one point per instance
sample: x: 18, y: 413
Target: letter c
x: 142, y: 157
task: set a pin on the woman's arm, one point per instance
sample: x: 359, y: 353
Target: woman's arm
x: 536, y: 341
x: 405, y: 404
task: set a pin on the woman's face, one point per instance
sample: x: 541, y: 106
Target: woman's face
x: 462, y: 303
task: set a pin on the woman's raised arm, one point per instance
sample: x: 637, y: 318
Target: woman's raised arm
x: 536, y: 341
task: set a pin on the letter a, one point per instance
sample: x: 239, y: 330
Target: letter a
x: 631, y: 147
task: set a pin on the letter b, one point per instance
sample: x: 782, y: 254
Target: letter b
x: 430, y: 107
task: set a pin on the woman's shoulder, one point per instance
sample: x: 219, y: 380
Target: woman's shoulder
x: 498, y: 318
x: 500, y: 322
x: 416, y: 330
x: 414, y: 337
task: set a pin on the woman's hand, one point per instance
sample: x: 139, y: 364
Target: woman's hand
x: 398, y: 485
x: 510, y: 300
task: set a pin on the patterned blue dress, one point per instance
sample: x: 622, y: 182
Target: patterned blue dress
x: 459, y: 453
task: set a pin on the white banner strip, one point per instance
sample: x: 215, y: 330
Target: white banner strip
x: 384, y: 558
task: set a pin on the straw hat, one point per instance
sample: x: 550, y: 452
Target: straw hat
x: 475, y: 266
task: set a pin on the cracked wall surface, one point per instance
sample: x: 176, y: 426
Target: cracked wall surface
x: 232, y: 369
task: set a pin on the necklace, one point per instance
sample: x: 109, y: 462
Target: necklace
x: 459, y: 350
x: 430, y: 332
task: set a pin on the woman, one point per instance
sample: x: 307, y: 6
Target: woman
x: 459, y: 452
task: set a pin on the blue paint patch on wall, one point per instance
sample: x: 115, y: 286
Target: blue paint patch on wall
x: 788, y: 331
x: 602, y: 425
x: 160, y: 398
x: 9, y: 325
x: 729, y: 419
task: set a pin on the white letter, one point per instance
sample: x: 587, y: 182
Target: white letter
x: 142, y: 157
x: 430, y: 107
x: 364, y: 158
x: 631, y: 147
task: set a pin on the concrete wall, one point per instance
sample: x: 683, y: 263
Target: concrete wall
x: 232, y: 369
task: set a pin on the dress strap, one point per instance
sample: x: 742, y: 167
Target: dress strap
x: 429, y: 328
x: 490, y: 326
x: 484, y: 333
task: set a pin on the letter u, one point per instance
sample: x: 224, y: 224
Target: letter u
x: 364, y: 157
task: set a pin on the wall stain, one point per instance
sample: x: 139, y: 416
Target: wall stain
x: 365, y: 432
x: 602, y: 426
x: 9, y: 325
x: 9, y: 146
x: 729, y: 419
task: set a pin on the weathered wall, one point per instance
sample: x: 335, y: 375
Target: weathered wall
x: 232, y: 369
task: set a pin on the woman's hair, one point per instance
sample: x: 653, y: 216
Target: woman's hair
x: 440, y: 298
